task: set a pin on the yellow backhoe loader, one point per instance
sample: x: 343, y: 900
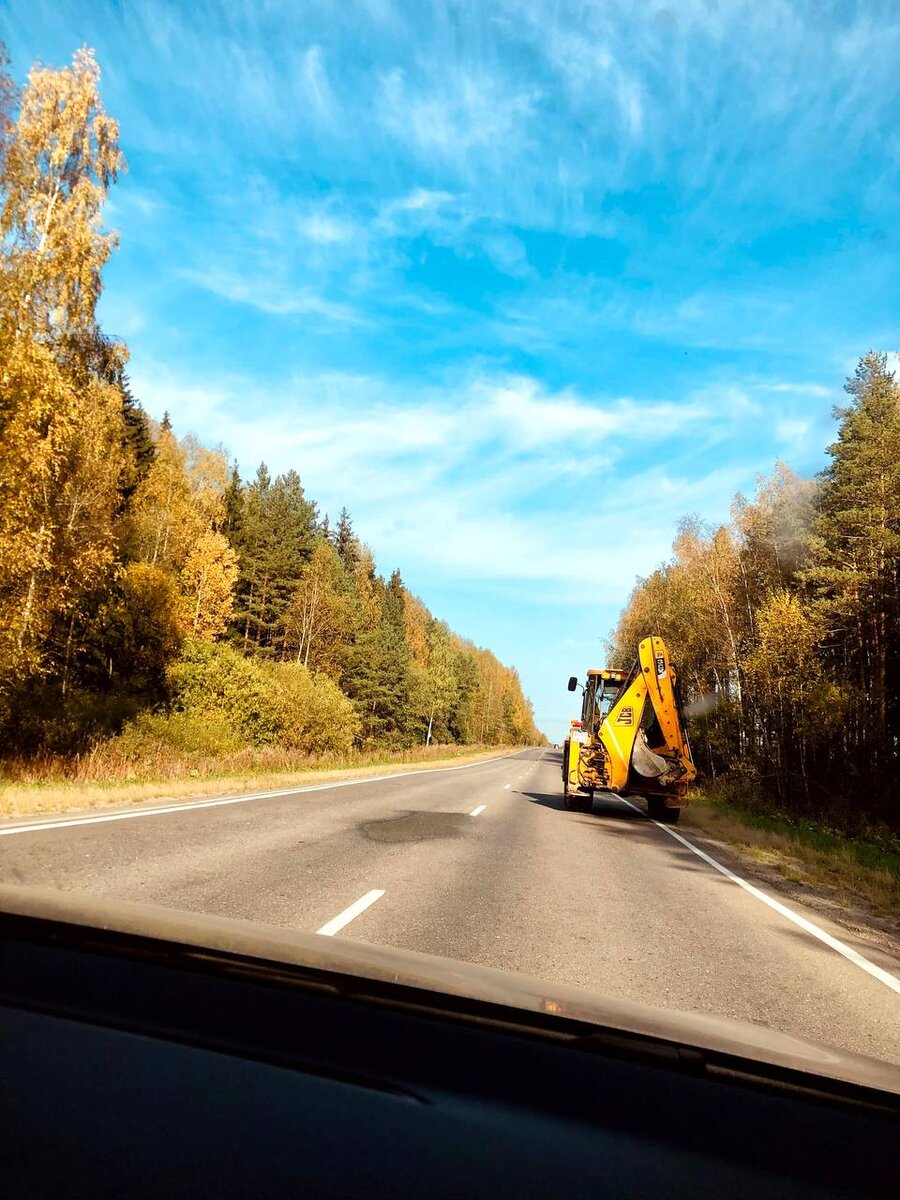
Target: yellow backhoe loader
x: 632, y: 737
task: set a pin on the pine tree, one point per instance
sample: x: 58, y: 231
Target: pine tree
x: 234, y: 507
x: 855, y: 567
x: 140, y: 449
x: 275, y: 542
x: 346, y: 542
x: 379, y: 679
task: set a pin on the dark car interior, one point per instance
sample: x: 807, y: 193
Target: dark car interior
x: 135, y: 1065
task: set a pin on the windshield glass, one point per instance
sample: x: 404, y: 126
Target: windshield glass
x: 369, y: 370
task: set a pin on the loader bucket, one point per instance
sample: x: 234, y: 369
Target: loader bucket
x: 644, y: 761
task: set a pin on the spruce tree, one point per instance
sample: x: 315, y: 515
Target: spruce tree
x: 274, y: 543
x: 234, y: 506
x: 379, y: 679
x: 856, y: 555
x: 346, y: 542
x: 139, y: 445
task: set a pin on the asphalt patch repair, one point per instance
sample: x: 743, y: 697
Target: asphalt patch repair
x: 416, y: 827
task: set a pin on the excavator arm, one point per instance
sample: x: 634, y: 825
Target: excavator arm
x: 644, y: 733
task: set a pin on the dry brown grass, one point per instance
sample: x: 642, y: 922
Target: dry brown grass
x: 834, y: 867
x: 54, y: 786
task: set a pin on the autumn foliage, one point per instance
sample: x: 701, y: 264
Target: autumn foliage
x: 785, y: 624
x: 146, y: 590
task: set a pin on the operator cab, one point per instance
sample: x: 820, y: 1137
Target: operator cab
x: 600, y: 693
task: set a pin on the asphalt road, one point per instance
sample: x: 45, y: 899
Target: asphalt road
x: 481, y: 863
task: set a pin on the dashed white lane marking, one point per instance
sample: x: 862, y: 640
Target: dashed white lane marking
x: 190, y: 806
x: 848, y: 952
x: 479, y: 809
x: 336, y: 924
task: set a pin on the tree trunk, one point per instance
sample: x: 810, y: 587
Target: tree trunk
x: 68, y: 655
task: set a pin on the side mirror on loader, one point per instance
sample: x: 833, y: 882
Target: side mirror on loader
x: 573, y: 682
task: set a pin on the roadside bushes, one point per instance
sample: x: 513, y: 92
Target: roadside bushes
x: 44, y: 721
x: 314, y: 713
x: 151, y: 736
x: 263, y: 704
x: 220, y: 707
x: 212, y: 680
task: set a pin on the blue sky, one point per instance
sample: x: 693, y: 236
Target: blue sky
x: 519, y: 282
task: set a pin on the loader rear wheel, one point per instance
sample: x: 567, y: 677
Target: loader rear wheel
x: 658, y: 810
x: 578, y: 802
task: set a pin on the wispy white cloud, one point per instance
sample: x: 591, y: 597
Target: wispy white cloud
x: 515, y: 478
x: 466, y: 120
x: 796, y: 389
x: 419, y: 198
x: 129, y: 200
x: 529, y: 417
x: 792, y: 432
x: 269, y: 295
x: 325, y: 229
x: 507, y: 252
x: 316, y: 84
x: 730, y: 318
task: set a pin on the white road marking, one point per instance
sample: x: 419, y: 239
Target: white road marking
x: 848, y: 952
x: 189, y: 806
x: 349, y: 914
x: 479, y: 809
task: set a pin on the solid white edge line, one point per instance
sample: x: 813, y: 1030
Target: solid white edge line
x: 479, y: 809
x: 336, y: 924
x: 848, y: 952
x: 37, y: 826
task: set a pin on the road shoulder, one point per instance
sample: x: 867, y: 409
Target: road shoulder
x: 19, y: 802
x: 881, y: 931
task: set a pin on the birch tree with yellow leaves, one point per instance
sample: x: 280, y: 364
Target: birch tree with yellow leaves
x: 174, y: 524
x: 61, y: 426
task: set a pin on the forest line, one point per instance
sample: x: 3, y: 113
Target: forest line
x: 785, y: 625
x: 147, y: 592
